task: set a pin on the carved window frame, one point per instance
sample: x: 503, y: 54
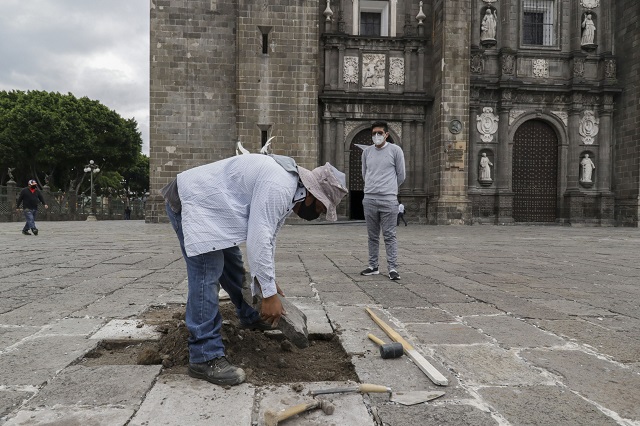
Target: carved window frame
x: 551, y: 18
x: 387, y: 8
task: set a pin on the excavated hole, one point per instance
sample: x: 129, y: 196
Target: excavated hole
x: 266, y: 359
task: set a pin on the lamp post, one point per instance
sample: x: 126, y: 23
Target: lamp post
x: 92, y: 168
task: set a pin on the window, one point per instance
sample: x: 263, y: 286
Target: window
x: 374, y: 18
x: 539, y: 23
x: 370, y: 23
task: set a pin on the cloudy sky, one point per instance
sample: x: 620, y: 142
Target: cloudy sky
x: 93, y: 48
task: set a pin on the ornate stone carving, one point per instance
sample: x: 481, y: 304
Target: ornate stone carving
x: 514, y: 114
x: 578, y: 67
x: 562, y: 116
x: 577, y: 98
x: 350, y: 69
x: 373, y: 68
x: 396, y: 71
x: 610, y: 68
x: 477, y: 63
x: 487, y: 124
x: 397, y: 128
x: 540, y: 68
x: 590, y: 4
x: 349, y: 126
x: 508, y: 64
x: 608, y: 99
x: 507, y: 95
x: 489, y: 1
x: 588, y: 127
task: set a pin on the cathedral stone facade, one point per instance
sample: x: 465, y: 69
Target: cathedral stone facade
x: 508, y: 111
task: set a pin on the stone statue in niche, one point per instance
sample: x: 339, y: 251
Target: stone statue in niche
x: 485, y: 168
x: 587, y: 167
x: 488, y: 27
x: 588, y: 32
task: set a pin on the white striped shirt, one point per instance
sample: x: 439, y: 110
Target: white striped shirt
x: 245, y: 198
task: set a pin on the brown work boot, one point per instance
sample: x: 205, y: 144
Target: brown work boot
x: 218, y: 371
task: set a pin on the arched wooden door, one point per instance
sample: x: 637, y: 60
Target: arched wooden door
x: 356, y: 182
x: 535, y: 172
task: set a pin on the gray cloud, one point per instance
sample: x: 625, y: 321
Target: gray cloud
x: 93, y: 48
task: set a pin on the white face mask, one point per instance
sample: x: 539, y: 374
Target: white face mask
x: 377, y: 139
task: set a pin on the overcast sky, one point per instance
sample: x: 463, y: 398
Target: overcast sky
x: 93, y: 48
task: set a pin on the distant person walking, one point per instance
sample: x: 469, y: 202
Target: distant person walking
x: 29, y: 198
x: 127, y: 213
x: 383, y: 172
x: 401, y: 214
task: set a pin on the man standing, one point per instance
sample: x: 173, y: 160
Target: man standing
x: 401, y: 214
x: 29, y: 198
x: 383, y: 172
x: 213, y: 209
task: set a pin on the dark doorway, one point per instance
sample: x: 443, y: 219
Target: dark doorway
x: 535, y: 172
x: 356, y: 182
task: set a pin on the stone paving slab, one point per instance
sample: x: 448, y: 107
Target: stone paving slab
x: 127, y: 330
x: 449, y: 334
x: 68, y: 416
x: 469, y: 309
x: 109, y: 385
x: 529, y: 406
x: 510, y: 332
x: 11, y: 400
x: 10, y: 335
x: 434, y: 414
x: 177, y: 399
x: 607, y: 384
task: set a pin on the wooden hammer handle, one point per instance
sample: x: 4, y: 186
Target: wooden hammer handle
x: 272, y: 418
x: 393, y: 335
x: 375, y: 339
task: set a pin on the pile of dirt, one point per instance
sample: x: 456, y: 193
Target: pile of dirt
x: 267, y: 358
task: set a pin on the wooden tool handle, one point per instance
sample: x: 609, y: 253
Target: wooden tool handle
x: 393, y: 335
x: 272, y: 418
x: 375, y: 339
x: 370, y: 388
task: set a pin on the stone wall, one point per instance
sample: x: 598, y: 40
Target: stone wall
x: 278, y: 90
x: 448, y: 150
x: 627, y: 116
x: 192, y: 90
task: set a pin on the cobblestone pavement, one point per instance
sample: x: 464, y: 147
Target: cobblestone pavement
x: 531, y: 325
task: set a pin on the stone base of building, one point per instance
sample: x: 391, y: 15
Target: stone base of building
x: 449, y: 211
x: 155, y: 210
x: 590, y: 209
x: 627, y: 211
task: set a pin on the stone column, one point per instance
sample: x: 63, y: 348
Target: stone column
x: 408, y: 75
x: 327, y: 68
x: 419, y: 163
x: 339, y: 143
x: 603, y: 172
x: 573, y: 197
x: 326, y: 140
x: 408, y: 145
x: 420, y: 69
x: 502, y: 165
x: 473, y: 153
x: 340, y: 67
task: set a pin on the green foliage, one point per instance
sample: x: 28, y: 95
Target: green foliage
x: 46, y: 134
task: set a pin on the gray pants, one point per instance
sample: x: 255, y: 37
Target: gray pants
x: 381, y: 215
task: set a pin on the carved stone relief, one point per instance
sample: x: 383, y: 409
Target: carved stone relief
x: 397, y: 129
x: 349, y: 126
x: 488, y: 27
x: 578, y: 67
x: 610, y: 68
x: 487, y: 124
x: 562, y: 116
x: 373, y: 68
x: 608, y: 99
x: 396, y: 71
x: 588, y: 31
x: 508, y: 64
x: 477, y: 63
x: 540, y: 68
x: 507, y: 95
x: 350, y: 69
x: 489, y: 1
x: 514, y: 114
x: 590, y: 4
x: 588, y: 127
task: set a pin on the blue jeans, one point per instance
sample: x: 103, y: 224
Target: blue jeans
x: 204, y: 272
x: 30, y: 216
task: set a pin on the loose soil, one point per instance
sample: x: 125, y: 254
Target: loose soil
x: 266, y: 358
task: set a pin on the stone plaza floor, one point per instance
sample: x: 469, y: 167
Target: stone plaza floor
x: 531, y: 325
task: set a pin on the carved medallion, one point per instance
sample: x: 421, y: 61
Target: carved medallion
x: 350, y: 69
x: 487, y: 124
x: 514, y: 114
x: 373, y: 68
x: 588, y: 127
x: 540, y: 68
x: 489, y: 1
x: 508, y: 63
x: 477, y: 63
x: 590, y: 4
x: 396, y: 71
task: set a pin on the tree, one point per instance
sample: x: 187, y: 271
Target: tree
x: 46, y: 134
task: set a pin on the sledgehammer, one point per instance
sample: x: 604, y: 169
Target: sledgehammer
x: 388, y: 350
